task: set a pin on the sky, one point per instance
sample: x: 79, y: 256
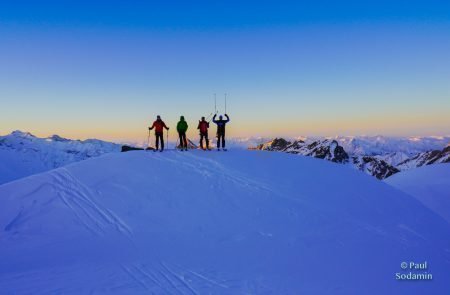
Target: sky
x: 105, y: 69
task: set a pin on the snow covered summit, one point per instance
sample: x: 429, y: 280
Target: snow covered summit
x: 241, y: 222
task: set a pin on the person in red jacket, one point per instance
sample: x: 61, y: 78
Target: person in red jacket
x: 203, y: 126
x: 159, y: 126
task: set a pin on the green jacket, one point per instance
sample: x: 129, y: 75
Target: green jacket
x: 182, y: 126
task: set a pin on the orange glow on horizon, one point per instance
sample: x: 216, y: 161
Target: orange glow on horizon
x: 387, y: 124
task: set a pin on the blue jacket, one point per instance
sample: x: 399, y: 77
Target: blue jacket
x: 221, y: 124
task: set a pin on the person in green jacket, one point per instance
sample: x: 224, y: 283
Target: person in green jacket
x: 182, y: 127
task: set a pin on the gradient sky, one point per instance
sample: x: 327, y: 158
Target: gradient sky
x: 105, y: 69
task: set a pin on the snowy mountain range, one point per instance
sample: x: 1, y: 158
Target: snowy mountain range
x: 381, y: 145
x: 377, y: 156
x: 23, y: 154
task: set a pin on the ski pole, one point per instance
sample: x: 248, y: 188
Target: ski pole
x: 209, y: 116
x: 167, y: 138
x: 148, y: 138
x: 225, y: 103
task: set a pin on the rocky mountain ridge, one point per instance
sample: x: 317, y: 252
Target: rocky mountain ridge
x: 380, y: 165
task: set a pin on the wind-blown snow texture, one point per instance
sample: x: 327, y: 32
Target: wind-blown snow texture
x: 240, y: 222
x: 23, y: 154
x: 429, y: 184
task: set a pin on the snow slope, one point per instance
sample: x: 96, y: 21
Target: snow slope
x: 429, y: 184
x: 23, y: 154
x: 241, y: 222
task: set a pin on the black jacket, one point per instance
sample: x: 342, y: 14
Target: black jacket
x: 221, y: 124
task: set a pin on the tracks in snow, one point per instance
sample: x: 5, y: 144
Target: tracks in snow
x: 209, y: 168
x: 81, y: 201
x: 165, y: 278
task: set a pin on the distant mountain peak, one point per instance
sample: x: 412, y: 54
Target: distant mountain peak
x: 22, y: 134
x: 56, y: 137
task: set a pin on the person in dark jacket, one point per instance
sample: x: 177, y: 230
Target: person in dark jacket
x: 203, y: 126
x: 159, y: 126
x: 182, y: 127
x: 221, y: 123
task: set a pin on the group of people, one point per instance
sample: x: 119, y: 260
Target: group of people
x: 182, y: 127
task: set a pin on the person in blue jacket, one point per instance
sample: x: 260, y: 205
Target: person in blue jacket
x: 221, y: 123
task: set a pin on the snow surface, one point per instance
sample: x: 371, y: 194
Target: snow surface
x: 429, y: 184
x: 237, y: 222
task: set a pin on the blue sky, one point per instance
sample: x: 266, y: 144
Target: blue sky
x: 105, y: 68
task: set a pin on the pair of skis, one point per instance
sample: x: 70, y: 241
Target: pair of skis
x: 223, y: 149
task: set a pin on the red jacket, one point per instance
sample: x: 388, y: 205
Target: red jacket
x: 203, y: 126
x: 159, y: 126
